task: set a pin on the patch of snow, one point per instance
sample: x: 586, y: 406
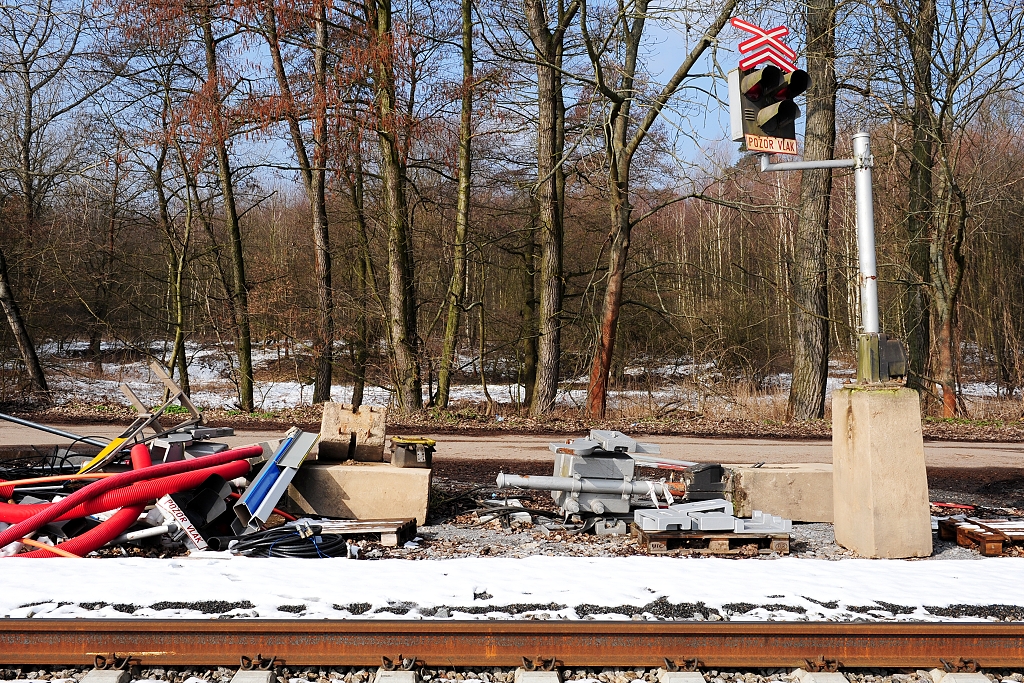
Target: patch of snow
x: 786, y: 588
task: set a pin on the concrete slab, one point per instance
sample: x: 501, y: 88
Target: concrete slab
x: 800, y: 492
x: 400, y: 676
x: 253, y: 676
x: 521, y: 675
x: 880, y: 486
x: 680, y: 677
x: 107, y: 676
x: 357, y: 434
x: 362, y: 491
x: 965, y: 678
x: 823, y: 677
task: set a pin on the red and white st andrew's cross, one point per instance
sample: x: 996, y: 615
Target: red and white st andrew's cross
x: 765, y: 46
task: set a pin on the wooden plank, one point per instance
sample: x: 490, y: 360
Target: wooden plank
x: 393, y: 532
x: 711, y: 542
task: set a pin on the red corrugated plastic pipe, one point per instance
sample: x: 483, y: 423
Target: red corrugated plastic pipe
x: 83, y: 544
x: 129, y: 495
x: 94, y: 538
x: 55, y: 510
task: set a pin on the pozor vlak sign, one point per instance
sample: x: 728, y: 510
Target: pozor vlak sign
x: 762, y: 112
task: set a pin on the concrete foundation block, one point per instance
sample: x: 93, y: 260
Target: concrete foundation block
x: 879, y: 483
x: 107, y: 676
x: 521, y: 675
x: 680, y: 677
x: 400, y: 676
x: 965, y: 678
x: 800, y: 492
x: 253, y: 676
x: 352, y: 434
x: 361, y: 491
x: 824, y: 677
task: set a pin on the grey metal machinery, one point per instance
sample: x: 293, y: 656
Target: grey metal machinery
x: 595, y: 478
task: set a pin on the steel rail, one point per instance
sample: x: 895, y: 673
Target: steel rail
x: 504, y: 643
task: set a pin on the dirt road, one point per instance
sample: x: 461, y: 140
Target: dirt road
x: 941, y: 454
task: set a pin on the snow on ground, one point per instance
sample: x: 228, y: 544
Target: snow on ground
x: 210, y: 373
x: 563, y: 587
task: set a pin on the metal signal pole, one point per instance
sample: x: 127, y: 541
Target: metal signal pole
x: 878, y: 358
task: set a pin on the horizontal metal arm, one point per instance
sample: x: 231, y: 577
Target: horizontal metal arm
x: 806, y: 165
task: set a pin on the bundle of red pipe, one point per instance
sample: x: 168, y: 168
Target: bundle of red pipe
x: 120, y: 491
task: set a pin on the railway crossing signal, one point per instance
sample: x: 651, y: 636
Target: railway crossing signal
x: 761, y: 107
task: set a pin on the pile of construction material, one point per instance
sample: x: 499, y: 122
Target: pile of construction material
x: 174, y: 489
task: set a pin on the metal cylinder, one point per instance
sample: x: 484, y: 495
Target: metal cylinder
x: 571, y: 485
x: 866, y: 233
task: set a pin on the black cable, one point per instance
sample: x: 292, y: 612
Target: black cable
x: 286, y: 542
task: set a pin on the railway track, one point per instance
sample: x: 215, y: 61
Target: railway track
x: 223, y: 642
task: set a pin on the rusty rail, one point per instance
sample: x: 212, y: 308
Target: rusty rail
x: 504, y: 643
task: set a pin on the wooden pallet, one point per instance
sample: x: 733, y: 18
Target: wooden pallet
x: 990, y: 535
x: 711, y: 542
x: 392, y: 532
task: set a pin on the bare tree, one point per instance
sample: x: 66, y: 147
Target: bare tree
x: 314, y: 105
x: 456, y: 290
x: 615, y: 80
x: 47, y: 72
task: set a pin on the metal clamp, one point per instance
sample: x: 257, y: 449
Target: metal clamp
x: 541, y: 663
x: 402, y: 663
x: 262, y: 663
x: 822, y: 664
x: 687, y: 665
x: 960, y: 665
x: 112, y: 661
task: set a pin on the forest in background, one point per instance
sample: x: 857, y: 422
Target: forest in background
x: 415, y: 195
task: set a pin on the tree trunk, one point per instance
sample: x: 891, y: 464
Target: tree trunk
x: 40, y: 390
x: 947, y: 270
x: 314, y: 179
x: 919, y: 215
x: 323, y: 348
x: 176, y: 272
x: 809, y: 270
x: 240, y: 291
x: 367, y: 282
x: 618, y: 255
x: 456, y: 287
x: 549, y: 195
x: 401, y: 288
x: 529, y: 314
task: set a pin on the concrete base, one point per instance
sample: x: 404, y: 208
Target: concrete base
x: 399, y: 676
x: 880, y: 486
x: 346, y: 434
x: 361, y: 491
x: 680, y: 676
x: 253, y: 676
x: 107, y: 676
x: 521, y: 675
x: 802, y: 493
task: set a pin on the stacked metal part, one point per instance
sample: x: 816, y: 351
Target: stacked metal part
x: 708, y: 515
